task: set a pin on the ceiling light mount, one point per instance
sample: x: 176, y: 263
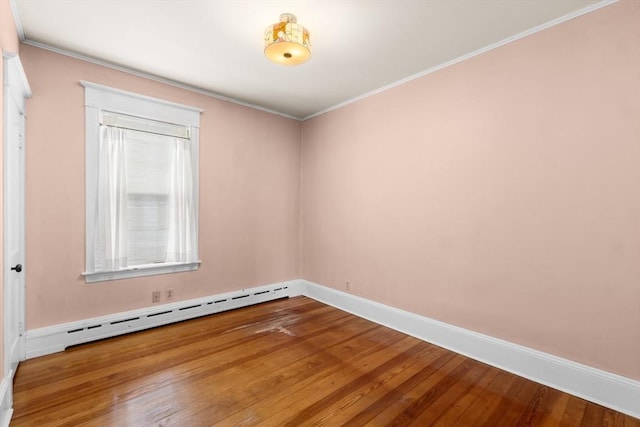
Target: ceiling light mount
x: 287, y: 42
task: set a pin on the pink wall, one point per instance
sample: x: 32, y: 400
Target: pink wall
x: 500, y: 194
x: 249, y: 196
x: 8, y: 34
x: 8, y: 43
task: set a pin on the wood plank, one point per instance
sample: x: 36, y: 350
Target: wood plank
x: 574, y: 412
x: 288, y: 362
x: 546, y: 408
x: 461, y: 383
x: 266, y: 392
x: 466, y: 399
x: 593, y: 415
x: 397, y: 399
x: 431, y: 390
x: 346, y: 385
x: 490, y: 397
x: 361, y: 397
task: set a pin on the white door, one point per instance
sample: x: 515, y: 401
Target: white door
x: 16, y: 89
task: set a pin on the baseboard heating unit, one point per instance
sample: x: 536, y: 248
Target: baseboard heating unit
x: 56, y: 338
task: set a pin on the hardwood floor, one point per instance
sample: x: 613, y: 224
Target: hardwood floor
x: 290, y: 362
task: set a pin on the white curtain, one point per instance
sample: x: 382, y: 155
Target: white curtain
x: 181, y: 242
x: 111, y: 239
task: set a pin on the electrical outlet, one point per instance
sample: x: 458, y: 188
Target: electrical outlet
x: 155, y: 296
x: 347, y: 285
x: 169, y: 294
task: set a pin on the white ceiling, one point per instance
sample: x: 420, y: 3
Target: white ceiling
x: 358, y: 46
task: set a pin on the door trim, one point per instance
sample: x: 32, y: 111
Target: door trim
x: 15, y: 89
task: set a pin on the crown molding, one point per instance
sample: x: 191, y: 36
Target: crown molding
x: 175, y: 83
x: 153, y: 77
x: 470, y: 55
x: 17, y: 20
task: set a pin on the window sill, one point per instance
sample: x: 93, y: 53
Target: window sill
x: 141, y: 270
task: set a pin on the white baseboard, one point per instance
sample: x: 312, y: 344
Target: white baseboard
x: 598, y: 386
x: 6, y: 401
x: 56, y: 338
x: 613, y: 391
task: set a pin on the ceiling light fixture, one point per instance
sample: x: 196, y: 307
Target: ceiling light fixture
x: 287, y: 42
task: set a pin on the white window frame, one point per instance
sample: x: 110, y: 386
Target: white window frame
x: 97, y: 98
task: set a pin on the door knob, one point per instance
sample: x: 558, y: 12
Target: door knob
x: 17, y: 268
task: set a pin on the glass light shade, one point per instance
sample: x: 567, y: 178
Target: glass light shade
x: 287, y: 42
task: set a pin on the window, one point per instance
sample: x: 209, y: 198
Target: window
x: 142, y: 185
